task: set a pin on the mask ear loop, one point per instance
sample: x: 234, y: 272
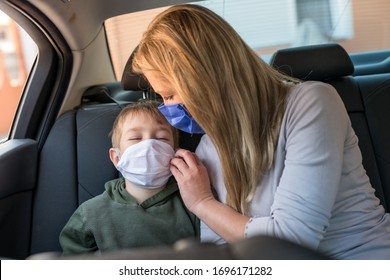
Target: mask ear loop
x: 118, y: 153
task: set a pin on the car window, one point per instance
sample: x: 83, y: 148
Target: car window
x: 17, y: 54
x: 267, y: 26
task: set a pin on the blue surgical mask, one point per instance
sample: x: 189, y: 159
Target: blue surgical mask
x: 178, y: 116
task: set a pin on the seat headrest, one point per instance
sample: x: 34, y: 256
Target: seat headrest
x: 315, y: 62
x: 130, y: 80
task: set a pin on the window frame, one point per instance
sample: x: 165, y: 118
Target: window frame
x: 48, y: 78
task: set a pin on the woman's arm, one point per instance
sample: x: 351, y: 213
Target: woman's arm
x: 224, y: 220
x: 192, y: 178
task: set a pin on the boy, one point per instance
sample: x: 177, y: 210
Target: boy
x: 142, y: 209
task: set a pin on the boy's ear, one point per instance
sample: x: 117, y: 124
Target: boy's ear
x: 114, y: 156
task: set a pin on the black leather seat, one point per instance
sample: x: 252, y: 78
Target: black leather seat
x: 366, y: 98
x: 74, y: 165
x: 255, y: 248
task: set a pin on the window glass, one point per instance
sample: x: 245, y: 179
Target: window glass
x: 357, y: 25
x: 17, y: 54
x: 123, y: 34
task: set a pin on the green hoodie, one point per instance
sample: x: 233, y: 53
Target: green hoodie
x: 114, y: 220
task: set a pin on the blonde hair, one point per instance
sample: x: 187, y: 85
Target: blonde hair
x: 141, y: 107
x: 236, y: 98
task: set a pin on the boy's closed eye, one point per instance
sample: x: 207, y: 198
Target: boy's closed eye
x: 133, y: 138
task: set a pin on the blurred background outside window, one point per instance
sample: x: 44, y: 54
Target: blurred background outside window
x: 17, y: 54
x: 266, y: 26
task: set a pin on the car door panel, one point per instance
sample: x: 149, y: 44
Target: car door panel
x: 18, y: 172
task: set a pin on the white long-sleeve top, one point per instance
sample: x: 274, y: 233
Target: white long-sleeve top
x: 317, y: 193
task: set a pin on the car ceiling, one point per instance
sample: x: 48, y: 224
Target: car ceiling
x: 79, y: 29
x: 86, y: 38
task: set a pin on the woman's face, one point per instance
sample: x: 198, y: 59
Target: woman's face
x: 161, y: 87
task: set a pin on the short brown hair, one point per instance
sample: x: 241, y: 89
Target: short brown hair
x: 147, y: 107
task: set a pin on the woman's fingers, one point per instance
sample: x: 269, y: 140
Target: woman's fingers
x: 192, y: 178
x: 188, y: 157
x: 188, y: 169
x: 176, y: 173
x: 179, y: 164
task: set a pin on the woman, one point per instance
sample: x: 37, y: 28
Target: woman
x: 281, y: 154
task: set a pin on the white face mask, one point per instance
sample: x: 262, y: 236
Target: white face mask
x: 146, y: 164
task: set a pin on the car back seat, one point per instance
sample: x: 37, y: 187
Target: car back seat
x: 74, y: 164
x: 366, y: 98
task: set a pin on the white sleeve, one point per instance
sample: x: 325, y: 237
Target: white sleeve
x: 209, y: 157
x: 315, y: 129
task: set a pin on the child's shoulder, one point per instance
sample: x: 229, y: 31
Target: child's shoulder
x: 102, y: 199
x: 95, y: 202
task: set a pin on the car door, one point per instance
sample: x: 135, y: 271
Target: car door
x: 35, y: 110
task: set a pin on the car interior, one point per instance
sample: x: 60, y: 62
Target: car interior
x: 59, y: 159
x: 91, y: 123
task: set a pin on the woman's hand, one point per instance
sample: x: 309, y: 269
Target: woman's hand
x: 192, y: 178
x: 194, y: 184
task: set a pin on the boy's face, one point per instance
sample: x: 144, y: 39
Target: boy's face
x: 138, y: 127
